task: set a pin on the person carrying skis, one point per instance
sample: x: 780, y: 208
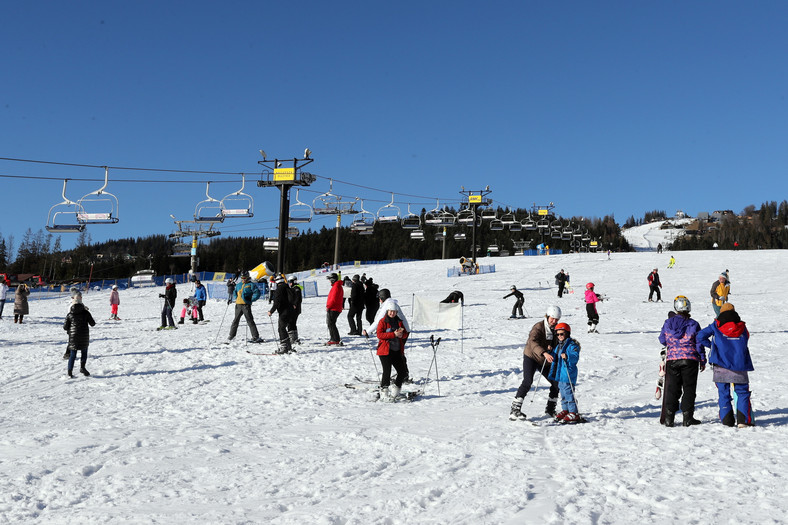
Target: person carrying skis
x: 355, y: 306
x: 246, y: 292
x: 392, y: 336
x: 77, y: 324
x: 730, y: 363
x: 169, y: 295
x: 560, y: 280
x: 518, y: 304
x: 541, y: 341
x: 591, y: 298
x: 683, y: 360
x: 334, y: 306
x: 720, y: 289
x: 114, y: 303
x: 201, y: 296
x: 654, y: 285
x: 284, y: 307
x: 563, y: 370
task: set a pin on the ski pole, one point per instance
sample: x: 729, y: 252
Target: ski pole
x: 538, y: 380
x: 434, y: 345
x: 571, y: 387
x: 372, y: 353
x: 221, y: 323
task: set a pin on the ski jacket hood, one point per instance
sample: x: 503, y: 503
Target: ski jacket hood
x: 729, y: 345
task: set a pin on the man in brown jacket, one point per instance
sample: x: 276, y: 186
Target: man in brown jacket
x: 536, y: 356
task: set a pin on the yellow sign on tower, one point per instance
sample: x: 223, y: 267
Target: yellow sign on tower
x: 284, y: 174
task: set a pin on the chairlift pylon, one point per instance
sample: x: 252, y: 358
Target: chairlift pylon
x: 206, y: 211
x: 238, y: 204
x: 300, y: 212
x: 99, y: 207
x: 65, y: 210
x: 389, y: 212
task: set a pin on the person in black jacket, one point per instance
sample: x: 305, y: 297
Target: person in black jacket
x: 654, y: 285
x: 282, y: 305
x: 371, y: 300
x: 560, y: 279
x: 518, y: 304
x: 297, y: 298
x: 455, y: 297
x: 77, y: 324
x: 169, y: 295
x: 355, y: 306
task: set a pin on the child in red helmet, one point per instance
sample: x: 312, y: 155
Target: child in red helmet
x: 591, y: 299
x: 564, y: 371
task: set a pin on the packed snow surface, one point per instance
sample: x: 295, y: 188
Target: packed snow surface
x: 176, y: 427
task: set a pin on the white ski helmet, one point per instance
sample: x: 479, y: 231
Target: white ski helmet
x: 681, y: 304
x: 168, y: 280
x: 554, y: 312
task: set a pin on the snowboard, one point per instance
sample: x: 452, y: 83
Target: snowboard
x: 661, y: 376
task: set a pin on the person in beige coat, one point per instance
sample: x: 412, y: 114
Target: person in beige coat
x: 21, y: 308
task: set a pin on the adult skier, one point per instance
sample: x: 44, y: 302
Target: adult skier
x: 371, y: 300
x: 720, y: 289
x: 246, y: 292
x: 541, y: 341
x: 282, y: 305
x: 334, y: 306
x: 518, y: 304
x: 169, y: 295
x: 654, y: 285
x: 560, y: 280
x: 297, y: 298
x: 355, y: 305
x: 201, y: 296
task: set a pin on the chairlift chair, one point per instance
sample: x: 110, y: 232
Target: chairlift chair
x: 460, y: 236
x: 300, y: 212
x: 508, y: 218
x: 543, y: 225
x: 271, y: 245
x: 496, y: 224
x: 389, y: 212
x: 465, y: 216
x: 206, y: 211
x: 238, y: 204
x: 411, y: 221
x: 99, y: 207
x: 493, y: 248
x: 529, y: 224
x: 63, y: 216
x: 515, y: 226
x: 363, y: 220
x: 417, y: 235
x: 434, y: 217
x: 488, y: 214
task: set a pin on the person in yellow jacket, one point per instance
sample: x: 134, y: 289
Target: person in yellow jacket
x: 719, y: 293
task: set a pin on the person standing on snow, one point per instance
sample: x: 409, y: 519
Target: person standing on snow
x: 392, y: 336
x: 334, y: 306
x: 114, y: 303
x: 246, y: 292
x: 591, y: 298
x: 730, y: 363
x: 355, y: 305
x: 541, y: 341
x: 563, y: 370
x: 683, y: 360
x: 21, y: 307
x: 371, y: 300
x: 654, y: 285
x: 201, y: 296
x: 518, y: 304
x: 384, y: 296
x: 298, y: 298
x: 285, y: 309
x: 3, y: 292
x: 169, y: 295
x: 77, y: 324
x: 560, y: 280
x: 719, y: 293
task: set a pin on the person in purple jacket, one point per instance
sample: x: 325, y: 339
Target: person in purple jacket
x: 683, y: 360
x: 730, y: 361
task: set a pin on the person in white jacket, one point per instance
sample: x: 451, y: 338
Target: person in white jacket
x: 3, y: 292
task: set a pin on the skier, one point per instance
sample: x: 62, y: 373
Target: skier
x: 564, y: 371
x: 355, y: 306
x: 518, y: 304
x: 384, y: 296
x: 591, y: 299
x: 392, y: 336
x: 297, y: 298
x: 371, y: 300
x: 541, y: 341
x: 560, y: 280
x: 720, y: 289
x: 246, y: 292
x: 730, y: 361
x: 77, y: 324
x: 671, y: 262
x: 334, y: 308
x: 683, y: 361
x: 201, y: 296
x: 189, y: 309
x: 169, y: 295
x: 455, y: 297
x: 114, y: 303
x: 230, y: 290
x: 282, y: 305
x: 654, y: 285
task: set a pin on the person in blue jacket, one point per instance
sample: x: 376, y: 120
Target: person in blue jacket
x: 564, y: 371
x: 201, y: 296
x: 730, y: 360
x: 246, y: 292
x: 683, y: 360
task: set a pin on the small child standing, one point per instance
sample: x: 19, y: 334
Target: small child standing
x: 564, y: 371
x: 114, y: 302
x: 190, y: 309
x: 77, y: 324
x: 591, y: 299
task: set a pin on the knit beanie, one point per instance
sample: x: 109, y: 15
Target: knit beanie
x: 726, y: 307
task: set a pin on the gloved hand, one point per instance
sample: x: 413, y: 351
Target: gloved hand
x: 702, y: 367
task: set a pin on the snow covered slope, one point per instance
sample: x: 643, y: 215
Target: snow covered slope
x: 174, y: 427
x: 646, y: 237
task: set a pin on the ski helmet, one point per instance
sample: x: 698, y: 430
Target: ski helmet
x: 554, y: 312
x: 384, y: 294
x: 681, y: 304
x: 589, y: 286
x: 168, y: 280
x: 513, y: 287
x: 563, y: 326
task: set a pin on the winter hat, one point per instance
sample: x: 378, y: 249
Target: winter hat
x: 356, y: 277
x: 726, y: 307
x: 77, y: 299
x: 115, y: 286
x: 390, y: 304
x: 74, y: 292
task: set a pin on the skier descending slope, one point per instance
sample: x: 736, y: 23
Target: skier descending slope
x: 536, y: 355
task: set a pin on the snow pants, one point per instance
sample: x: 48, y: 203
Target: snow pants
x: 530, y: 367
x: 244, y: 310
x: 593, y: 315
x: 166, y: 314
x: 518, y: 307
x: 568, y: 402
x: 331, y: 322
x: 354, y: 319
x: 651, y: 291
x: 397, y: 360
x: 743, y: 408
x: 561, y: 289
x: 681, y: 376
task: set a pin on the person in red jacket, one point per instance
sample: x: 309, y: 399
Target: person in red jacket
x: 333, y: 308
x: 392, y: 335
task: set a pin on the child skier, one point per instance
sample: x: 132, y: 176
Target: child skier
x: 392, y: 336
x: 564, y: 371
x: 518, y: 304
x: 77, y: 324
x: 730, y: 360
x: 114, y: 302
x: 591, y: 299
x: 190, y: 309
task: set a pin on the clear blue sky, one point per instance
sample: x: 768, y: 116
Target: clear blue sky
x: 600, y: 107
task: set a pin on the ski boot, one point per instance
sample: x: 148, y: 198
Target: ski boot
x: 689, y: 420
x: 550, y: 408
x: 669, y: 418
x: 571, y: 418
x: 515, y: 414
